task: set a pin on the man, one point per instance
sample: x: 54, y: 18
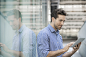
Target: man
x: 49, y: 41
x: 24, y: 41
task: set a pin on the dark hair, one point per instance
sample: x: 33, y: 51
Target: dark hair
x: 57, y: 12
x: 16, y: 13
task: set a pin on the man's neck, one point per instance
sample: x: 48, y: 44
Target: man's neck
x: 20, y: 25
x: 53, y: 26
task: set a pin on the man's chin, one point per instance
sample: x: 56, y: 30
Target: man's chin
x: 59, y: 28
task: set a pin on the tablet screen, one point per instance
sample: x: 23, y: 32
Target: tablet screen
x: 77, y: 42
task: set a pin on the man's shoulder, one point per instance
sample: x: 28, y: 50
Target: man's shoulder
x: 27, y: 30
x: 27, y: 33
x: 44, y: 31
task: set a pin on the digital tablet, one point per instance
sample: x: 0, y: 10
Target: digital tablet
x: 77, y: 42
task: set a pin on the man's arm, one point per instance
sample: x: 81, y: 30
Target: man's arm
x: 42, y: 44
x: 68, y: 54
x: 55, y: 53
x: 15, y: 53
x: 59, y: 52
x: 4, y: 54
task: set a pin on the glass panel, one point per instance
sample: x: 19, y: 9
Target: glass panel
x: 20, y: 22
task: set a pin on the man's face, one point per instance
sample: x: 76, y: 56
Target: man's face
x: 58, y: 22
x: 13, y: 22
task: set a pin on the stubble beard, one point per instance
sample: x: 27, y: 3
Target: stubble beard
x: 56, y: 27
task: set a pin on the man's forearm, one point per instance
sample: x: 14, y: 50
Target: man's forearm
x: 68, y: 54
x: 55, y: 53
x: 16, y: 53
x: 4, y: 54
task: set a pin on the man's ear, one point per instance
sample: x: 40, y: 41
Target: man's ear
x: 53, y: 19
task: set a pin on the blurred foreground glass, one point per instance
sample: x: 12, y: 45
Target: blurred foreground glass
x: 34, y: 18
x: 24, y: 40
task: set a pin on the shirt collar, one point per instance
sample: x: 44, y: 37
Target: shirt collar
x: 52, y: 29
x: 21, y: 29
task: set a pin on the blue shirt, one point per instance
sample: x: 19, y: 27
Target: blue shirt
x: 25, y: 41
x: 48, y: 40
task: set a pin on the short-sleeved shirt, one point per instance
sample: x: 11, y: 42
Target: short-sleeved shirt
x: 25, y: 41
x: 48, y: 40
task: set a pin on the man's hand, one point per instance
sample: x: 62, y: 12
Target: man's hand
x: 67, y: 46
x: 76, y: 47
x: 69, y: 54
x: 4, y: 47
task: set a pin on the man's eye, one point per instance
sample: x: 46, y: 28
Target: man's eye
x: 60, y: 20
x: 63, y: 21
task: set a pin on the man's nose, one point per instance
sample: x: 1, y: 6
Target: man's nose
x: 10, y: 23
x: 62, y: 23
